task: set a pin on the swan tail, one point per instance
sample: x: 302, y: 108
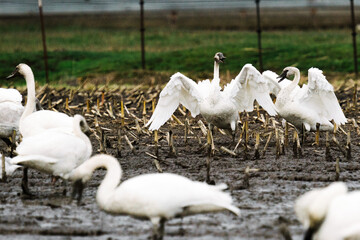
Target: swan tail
x: 31, y: 158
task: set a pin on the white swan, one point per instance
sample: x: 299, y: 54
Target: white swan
x: 313, y: 103
x: 10, y: 111
x: 9, y: 168
x: 54, y: 151
x: 219, y: 108
x: 330, y: 213
x: 158, y: 196
x: 31, y: 122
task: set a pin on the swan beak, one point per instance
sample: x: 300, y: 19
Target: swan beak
x: 78, y: 188
x: 309, y: 233
x: 13, y: 74
x: 282, y: 76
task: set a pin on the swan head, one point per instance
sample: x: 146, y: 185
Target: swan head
x: 287, y: 72
x: 312, y: 207
x: 219, y: 57
x: 20, y: 69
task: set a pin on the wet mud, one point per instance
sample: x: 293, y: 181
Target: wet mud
x: 265, y: 194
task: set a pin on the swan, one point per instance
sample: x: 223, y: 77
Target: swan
x: 9, y: 168
x: 311, y: 104
x: 10, y: 111
x: 330, y: 213
x: 158, y: 197
x: 219, y: 108
x: 55, y: 151
x: 31, y: 122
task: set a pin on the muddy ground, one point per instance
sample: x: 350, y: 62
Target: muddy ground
x: 266, y: 204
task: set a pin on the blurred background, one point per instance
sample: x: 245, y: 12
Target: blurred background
x: 100, y: 40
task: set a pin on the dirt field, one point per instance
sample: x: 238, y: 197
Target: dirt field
x: 266, y: 204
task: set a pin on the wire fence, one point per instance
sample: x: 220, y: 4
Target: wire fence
x: 101, y: 6
x: 86, y: 6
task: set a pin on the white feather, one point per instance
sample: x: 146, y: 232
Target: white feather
x: 9, y: 168
x: 313, y: 103
x: 54, y: 151
x: 247, y: 87
x: 10, y: 111
x: 179, y: 89
x: 219, y: 108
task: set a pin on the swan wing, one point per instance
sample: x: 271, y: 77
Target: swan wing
x: 10, y: 95
x: 180, y: 89
x: 52, y: 151
x: 248, y: 86
x: 40, y: 121
x: 320, y: 96
x: 33, y: 158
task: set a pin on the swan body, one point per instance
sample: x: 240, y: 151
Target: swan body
x: 54, y: 151
x: 219, y: 108
x: 330, y: 213
x: 313, y: 103
x: 31, y: 122
x: 9, y: 168
x: 11, y: 110
x: 158, y: 197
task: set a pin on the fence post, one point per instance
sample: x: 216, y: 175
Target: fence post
x: 44, y: 41
x: 142, y: 30
x: 354, y: 38
x: 258, y: 30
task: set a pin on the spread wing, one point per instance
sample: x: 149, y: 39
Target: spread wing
x: 321, y: 97
x: 248, y: 86
x: 180, y: 89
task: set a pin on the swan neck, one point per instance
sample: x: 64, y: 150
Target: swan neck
x: 284, y: 95
x: 297, y: 77
x: 216, y: 70
x: 110, y: 181
x: 80, y: 134
x: 30, y: 101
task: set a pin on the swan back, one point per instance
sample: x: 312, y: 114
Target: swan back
x: 10, y: 95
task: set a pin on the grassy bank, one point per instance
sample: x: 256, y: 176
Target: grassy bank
x: 77, y: 51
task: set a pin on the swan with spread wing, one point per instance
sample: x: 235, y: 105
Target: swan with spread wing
x: 218, y: 107
x: 313, y: 103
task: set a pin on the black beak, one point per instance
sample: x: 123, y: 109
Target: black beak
x: 78, y: 188
x: 309, y: 234
x: 88, y: 132
x: 282, y: 76
x: 13, y: 74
